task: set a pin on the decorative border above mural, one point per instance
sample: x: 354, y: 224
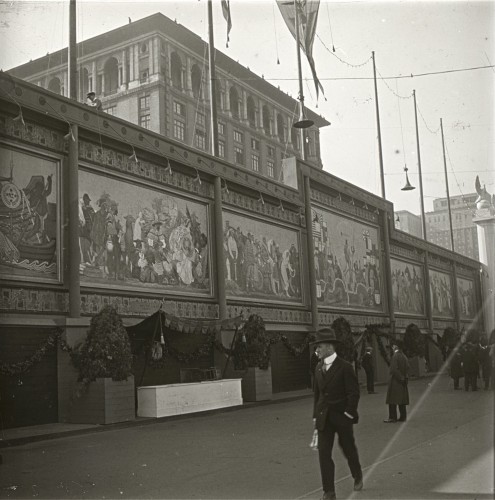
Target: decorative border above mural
x: 407, y: 253
x: 270, y: 315
x: 121, y: 162
x: 36, y: 301
x: 442, y: 325
x: 405, y: 322
x: 32, y: 133
x: 348, y: 208
x: 327, y: 318
x: 435, y: 261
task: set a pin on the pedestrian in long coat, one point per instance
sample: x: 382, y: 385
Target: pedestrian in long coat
x: 471, y: 366
x: 397, y: 393
x: 456, y: 370
x: 485, y: 362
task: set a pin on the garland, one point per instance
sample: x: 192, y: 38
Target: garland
x: 371, y: 330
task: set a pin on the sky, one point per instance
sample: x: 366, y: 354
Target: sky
x: 408, y: 38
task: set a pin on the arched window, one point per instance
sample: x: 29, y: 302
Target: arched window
x: 280, y: 127
x: 266, y: 120
x: 294, y: 136
x: 54, y: 85
x: 234, y: 102
x: 144, y: 47
x: 111, y: 71
x: 84, y: 82
x: 251, y: 112
x: 196, y: 80
x: 176, y: 70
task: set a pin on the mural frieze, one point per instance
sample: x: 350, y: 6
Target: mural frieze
x: 270, y: 315
x: 466, y: 298
x: 408, y: 289
x: 408, y: 253
x: 441, y: 293
x: 29, y: 300
x: 326, y: 319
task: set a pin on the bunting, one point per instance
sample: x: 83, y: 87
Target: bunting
x: 226, y: 15
x: 308, y: 16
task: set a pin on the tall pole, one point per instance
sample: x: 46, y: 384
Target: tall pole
x: 447, y: 189
x: 299, y: 74
x: 421, y: 197
x: 380, y: 153
x: 213, y: 93
x: 72, y: 70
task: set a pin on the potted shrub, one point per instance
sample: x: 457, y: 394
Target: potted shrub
x: 105, y: 389
x: 252, y: 354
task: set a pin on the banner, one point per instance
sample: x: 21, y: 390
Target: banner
x: 308, y: 16
x: 226, y: 15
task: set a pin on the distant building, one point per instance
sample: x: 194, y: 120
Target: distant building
x: 154, y: 73
x: 464, y: 229
x: 408, y: 222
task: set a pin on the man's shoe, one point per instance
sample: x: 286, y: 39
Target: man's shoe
x: 390, y: 421
x: 329, y: 495
x: 358, y: 483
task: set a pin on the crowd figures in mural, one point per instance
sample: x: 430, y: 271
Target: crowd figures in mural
x: 261, y: 260
x: 28, y: 215
x: 347, y: 262
x: 141, y: 237
x: 466, y: 298
x: 407, y: 287
x: 441, y: 294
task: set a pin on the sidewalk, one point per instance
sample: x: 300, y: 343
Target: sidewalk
x: 22, y: 435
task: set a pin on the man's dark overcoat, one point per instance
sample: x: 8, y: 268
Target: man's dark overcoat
x: 398, y: 393
x: 335, y: 391
x: 456, y: 370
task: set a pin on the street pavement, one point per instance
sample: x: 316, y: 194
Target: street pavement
x: 444, y: 451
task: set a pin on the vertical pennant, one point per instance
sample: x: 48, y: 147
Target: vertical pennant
x: 226, y: 15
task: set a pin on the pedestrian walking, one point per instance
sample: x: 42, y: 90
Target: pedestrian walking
x: 397, y: 392
x: 485, y: 362
x: 336, y: 398
x: 367, y: 364
x: 471, y: 366
x: 455, y: 369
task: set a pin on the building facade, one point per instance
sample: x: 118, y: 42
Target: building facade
x: 464, y: 229
x: 154, y: 73
x: 408, y: 222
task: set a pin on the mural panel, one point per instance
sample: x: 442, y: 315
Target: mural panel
x: 262, y: 261
x: 408, y: 287
x: 466, y: 297
x: 29, y: 216
x: 347, y: 262
x: 442, y: 303
x: 133, y: 236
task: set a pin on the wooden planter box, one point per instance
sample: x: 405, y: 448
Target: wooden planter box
x: 105, y: 402
x: 257, y: 384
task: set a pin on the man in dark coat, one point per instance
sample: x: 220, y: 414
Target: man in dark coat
x: 397, y: 393
x: 336, y: 397
x: 471, y: 366
x: 367, y: 364
x: 456, y: 371
x: 485, y: 362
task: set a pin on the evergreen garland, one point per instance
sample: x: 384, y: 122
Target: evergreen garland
x: 343, y: 332
x: 414, y: 341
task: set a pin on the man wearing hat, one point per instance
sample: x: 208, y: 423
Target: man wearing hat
x: 397, y: 393
x: 336, y: 397
x: 93, y: 101
x: 367, y: 364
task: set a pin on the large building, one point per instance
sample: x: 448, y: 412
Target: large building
x: 464, y: 229
x: 154, y: 73
x: 408, y: 222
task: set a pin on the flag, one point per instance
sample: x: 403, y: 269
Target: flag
x: 308, y: 16
x: 226, y: 14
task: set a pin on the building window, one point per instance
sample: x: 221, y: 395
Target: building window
x: 196, y: 81
x: 176, y: 70
x: 270, y: 168
x: 144, y: 75
x: 144, y: 102
x: 144, y: 121
x: 266, y: 120
x: 251, y: 112
x: 255, y: 162
x: 201, y: 119
x: 255, y: 144
x: 221, y: 128
x: 179, y: 109
x: 238, y: 136
x: 221, y: 149
x: 179, y: 129
x: 270, y: 152
x: 234, y: 102
x: 111, y: 110
x: 239, y: 155
x: 144, y: 48
x: 200, y: 139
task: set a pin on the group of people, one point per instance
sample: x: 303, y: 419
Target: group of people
x: 336, y: 398
x: 472, y: 361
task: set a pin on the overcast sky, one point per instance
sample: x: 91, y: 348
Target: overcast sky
x: 408, y: 38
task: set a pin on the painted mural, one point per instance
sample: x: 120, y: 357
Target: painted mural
x: 408, y: 287
x: 347, y: 262
x: 135, y: 236
x: 466, y: 298
x: 262, y: 261
x: 29, y: 216
x: 442, y: 302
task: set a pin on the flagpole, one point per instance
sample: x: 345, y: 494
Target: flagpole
x: 380, y: 153
x: 421, y: 197
x: 299, y: 73
x: 211, y: 60
x: 447, y: 188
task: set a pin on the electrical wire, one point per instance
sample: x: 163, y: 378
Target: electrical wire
x: 332, y: 52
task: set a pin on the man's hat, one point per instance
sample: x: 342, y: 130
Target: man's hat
x: 86, y: 197
x: 398, y: 342
x: 325, y: 336
x: 89, y: 94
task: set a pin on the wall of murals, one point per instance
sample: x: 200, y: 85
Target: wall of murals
x: 441, y: 292
x: 408, y: 288
x: 29, y: 216
x: 262, y: 261
x: 466, y: 298
x: 132, y: 236
x: 347, y: 262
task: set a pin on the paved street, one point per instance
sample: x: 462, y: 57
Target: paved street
x: 444, y: 451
